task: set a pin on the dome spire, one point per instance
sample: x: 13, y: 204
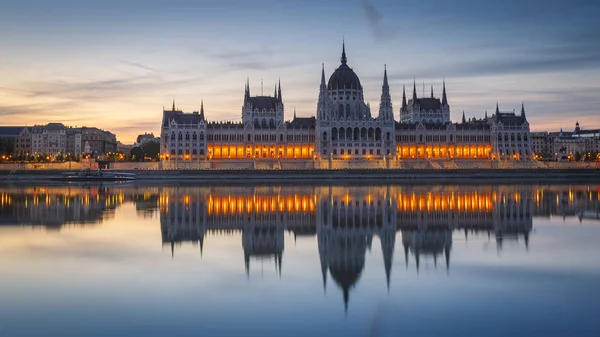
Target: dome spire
x: 344, y: 59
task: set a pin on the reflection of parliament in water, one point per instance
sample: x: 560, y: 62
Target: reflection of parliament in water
x: 345, y: 220
x: 54, y: 207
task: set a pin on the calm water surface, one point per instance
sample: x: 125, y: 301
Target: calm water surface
x: 445, y: 260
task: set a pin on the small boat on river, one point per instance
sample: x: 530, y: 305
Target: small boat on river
x: 96, y: 175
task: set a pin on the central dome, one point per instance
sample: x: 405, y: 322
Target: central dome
x: 344, y: 77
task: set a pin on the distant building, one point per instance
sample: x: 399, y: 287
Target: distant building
x: 50, y: 139
x: 542, y: 145
x: 9, y: 139
x: 23, y: 145
x: 567, y: 144
x: 96, y: 141
x: 55, y: 138
x: 146, y: 138
x: 124, y: 148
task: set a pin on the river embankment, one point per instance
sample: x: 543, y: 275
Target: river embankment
x: 298, y: 176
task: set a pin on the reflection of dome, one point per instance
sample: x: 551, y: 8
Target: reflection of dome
x: 344, y: 77
x: 346, y: 277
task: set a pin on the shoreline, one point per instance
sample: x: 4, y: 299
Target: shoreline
x: 335, y: 175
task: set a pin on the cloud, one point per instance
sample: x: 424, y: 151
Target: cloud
x: 139, y: 65
x: 49, y: 110
x: 374, y: 18
x: 102, y: 90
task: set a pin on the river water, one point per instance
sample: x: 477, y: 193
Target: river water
x: 309, y: 260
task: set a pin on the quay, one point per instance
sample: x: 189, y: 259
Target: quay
x: 336, y: 175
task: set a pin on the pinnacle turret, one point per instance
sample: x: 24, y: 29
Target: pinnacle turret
x: 444, y: 97
x: 414, y: 92
x: 404, y: 105
x: 323, y: 84
x: 202, y: 110
x: 279, y: 93
x: 385, y: 107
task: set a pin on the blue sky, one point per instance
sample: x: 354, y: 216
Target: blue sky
x: 114, y: 64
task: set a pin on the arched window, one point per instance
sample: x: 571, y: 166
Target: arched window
x: 512, y: 137
x: 180, y: 136
x: 387, y: 136
x: 518, y: 136
x: 271, y: 123
x: 194, y: 137
x: 334, y: 134
x: 324, y: 136
x: 348, y: 113
x: 281, y: 137
x: 499, y: 137
x: 187, y: 136
x: 173, y: 136
x: 202, y: 136
x: 341, y: 112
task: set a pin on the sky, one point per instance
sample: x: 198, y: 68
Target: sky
x: 114, y: 64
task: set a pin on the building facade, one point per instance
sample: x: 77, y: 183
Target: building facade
x: 344, y: 129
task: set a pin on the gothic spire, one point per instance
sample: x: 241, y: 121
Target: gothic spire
x: 275, y: 92
x: 486, y: 116
x: 294, y: 112
x: 403, y: 97
x: 323, y: 85
x: 464, y: 120
x: 414, y: 91
x: 432, y: 91
x: 173, y: 105
x: 444, y: 98
x: 279, y: 92
x: 344, y: 59
x: 385, y: 107
x: 247, y: 90
x: 202, y: 109
x: 497, y: 109
x: 522, y: 109
x: 385, y: 79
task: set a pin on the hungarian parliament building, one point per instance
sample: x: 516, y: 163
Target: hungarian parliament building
x: 345, y: 131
